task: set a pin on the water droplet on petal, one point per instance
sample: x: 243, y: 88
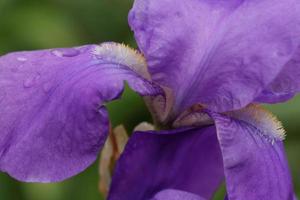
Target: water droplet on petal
x: 14, y: 69
x: 29, y: 82
x: 71, y: 52
x: 37, y: 77
x: 47, y: 87
x: 21, y: 59
x: 19, y: 65
x: 2, y: 95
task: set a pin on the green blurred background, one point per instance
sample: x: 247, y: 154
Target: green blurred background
x: 37, y: 24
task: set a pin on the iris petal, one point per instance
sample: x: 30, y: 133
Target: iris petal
x: 286, y: 84
x: 171, y: 194
x: 222, y: 54
x: 52, y: 116
x: 255, y: 164
x: 184, y: 159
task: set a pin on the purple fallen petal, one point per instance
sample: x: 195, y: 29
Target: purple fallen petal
x: 184, y: 159
x: 286, y: 85
x: 255, y: 165
x: 218, y: 53
x: 171, y: 194
x: 52, y: 119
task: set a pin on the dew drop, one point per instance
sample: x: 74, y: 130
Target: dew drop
x: 29, y: 82
x: 19, y: 65
x: 22, y: 59
x: 47, y: 87
x: 71, y: 52
x: 2, y: 95
x: 37, y: 77
x: 14, y: 69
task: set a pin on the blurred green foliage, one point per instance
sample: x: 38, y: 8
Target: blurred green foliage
x: 37, y: 24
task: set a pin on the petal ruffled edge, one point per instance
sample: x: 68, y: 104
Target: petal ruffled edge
x: 229, y: 52
x: 52, y: 116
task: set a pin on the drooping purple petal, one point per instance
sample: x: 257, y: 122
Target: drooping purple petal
x: 52, y: 116
x: 286, y: 84
x: 255, y: 165
x: 171, y: 194
x: 185, y: 159
x: 219, y: 53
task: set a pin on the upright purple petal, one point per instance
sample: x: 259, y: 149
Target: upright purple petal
x: 188, y: 160
x: 52, y: 116
x: 221, y: 54
x: 286, y: 84
x: 255, y: 164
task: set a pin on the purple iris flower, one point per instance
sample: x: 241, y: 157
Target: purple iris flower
x: 208, y: 64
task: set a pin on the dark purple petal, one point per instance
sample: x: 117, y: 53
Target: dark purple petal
x: 171, y: 194
x: 185, y: 159
x: 286, y: 85
x: 52, y: 119
x: 255, y: 164
x: 219, y: 53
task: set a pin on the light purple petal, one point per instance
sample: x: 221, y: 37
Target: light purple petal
x: 255, y: 164
x: 185, y: 159
x: 170, y: 194
x: 286, y: 84
x: 52, y: 116
x: 219, y: 53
